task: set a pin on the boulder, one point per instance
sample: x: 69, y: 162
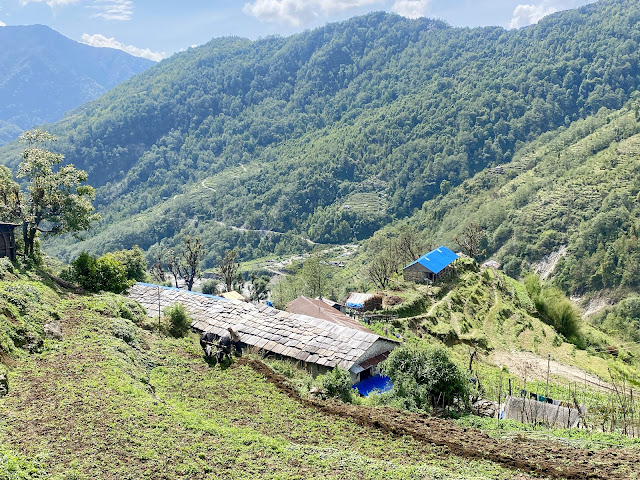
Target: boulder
x: 53, y: 330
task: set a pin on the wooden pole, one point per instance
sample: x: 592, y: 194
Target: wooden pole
x: 499, y: 397
x: 546, y: 392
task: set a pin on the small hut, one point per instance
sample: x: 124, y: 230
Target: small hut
x: 8, y: 241
x: 430, y: 266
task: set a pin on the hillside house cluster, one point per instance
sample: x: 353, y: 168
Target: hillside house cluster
x: 320, y: 344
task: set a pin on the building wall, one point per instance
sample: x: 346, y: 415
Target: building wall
x: 415, y: 273
x: 380, y: 346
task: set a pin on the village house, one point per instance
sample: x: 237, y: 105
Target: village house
x: 318, y: 344
x: 431, y: 266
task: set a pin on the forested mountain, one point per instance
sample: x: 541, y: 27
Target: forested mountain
x: 334, y: 132
x: 44, y: 74
x: 568, y: 205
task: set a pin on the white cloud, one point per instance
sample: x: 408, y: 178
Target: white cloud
x: 2, y: 24
x: 299, y: 12
x: 98, y: 40
x: 527, y: 14
x: 411, y: 8
x: 114, y: 10
x: 51, y: 3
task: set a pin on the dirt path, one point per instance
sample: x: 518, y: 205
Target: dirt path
x: 531, y: 366
x: 263, y: 231
x: 539, y: 457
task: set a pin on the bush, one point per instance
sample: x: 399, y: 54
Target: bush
x: 98, y: 274
x: 179, y: 321
x: 424, y: 377
x: 210, y: 287
x: 556, y: 310
x: 124, y: 330
x: 134, y: 263
x: 337, y: 384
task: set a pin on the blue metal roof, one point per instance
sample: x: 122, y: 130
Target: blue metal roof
x: 436, y: 260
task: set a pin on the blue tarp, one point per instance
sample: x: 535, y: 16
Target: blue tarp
x: 353, y: 305
x: 378, y: 382
x: 436, y: 260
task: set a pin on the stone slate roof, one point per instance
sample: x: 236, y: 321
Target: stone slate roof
x: 305, y: 338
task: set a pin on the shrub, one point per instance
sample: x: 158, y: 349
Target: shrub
x: 179, y: 321
x: 210, y: 287
x: 337, y: 384
x: 134, y: 263
x: 556, y: 310
x: 124, y: 330
x: 98, y: 274
x: 424, y: 376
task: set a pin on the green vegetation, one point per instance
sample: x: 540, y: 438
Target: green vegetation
x: 179, y: 321
x: 114, y: 407
x: 54, y: 201
x: 622, y: 320
x: 565, y: 205
x: 424, y: 378
x: 106, y: 273
x: 337, y: 384
x: 281, y: 133
x: 555, y: 309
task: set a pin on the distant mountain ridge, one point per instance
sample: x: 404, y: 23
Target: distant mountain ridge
x: 335, y: 132
x: 43, y: 74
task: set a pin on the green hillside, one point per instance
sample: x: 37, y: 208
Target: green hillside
x: 566, y: 205
x: 113, y: 400
x: 111, y: 397
x: 288, y: 130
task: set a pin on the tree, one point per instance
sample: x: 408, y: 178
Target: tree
x: 228, y: 268
x: 134, y: 262
x: 470, y: 239
x: 55, y: 201
x: 259, y: 287
x: 189, y: 265
x: 382, y: 268
x: 407, y: 246
x: 424, y: 376
x: 314, y: 275
x: 105, y: 273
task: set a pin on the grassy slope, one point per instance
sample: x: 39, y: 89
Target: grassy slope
x: 95, y: 406
x: 494, y: 312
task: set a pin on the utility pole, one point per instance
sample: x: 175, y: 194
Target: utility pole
x: 158, y: 308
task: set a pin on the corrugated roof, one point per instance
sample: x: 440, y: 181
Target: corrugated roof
x: 302, y: 337
x: 436, y: 260
x: 357, y: 300
x: 319, y: 309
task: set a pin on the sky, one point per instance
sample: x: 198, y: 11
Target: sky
x: 155, y: 29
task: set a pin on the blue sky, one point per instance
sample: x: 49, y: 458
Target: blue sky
x: 157, y: 28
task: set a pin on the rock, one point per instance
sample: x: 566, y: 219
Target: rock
x: 53, y: 330
x: 4, y: 385
x: 485, y: 408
